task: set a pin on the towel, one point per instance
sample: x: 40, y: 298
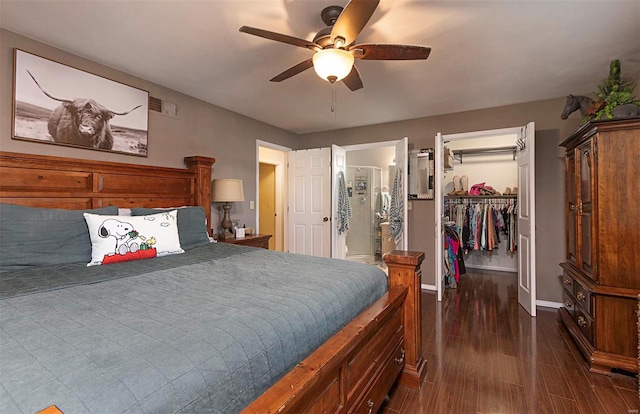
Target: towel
x: 396, y: 209
x: 386, y: 201
x: 344, y: 208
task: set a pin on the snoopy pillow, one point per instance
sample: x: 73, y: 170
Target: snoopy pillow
x: 123, y: 238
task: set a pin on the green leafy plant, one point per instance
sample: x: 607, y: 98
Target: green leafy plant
x: 613, y: 91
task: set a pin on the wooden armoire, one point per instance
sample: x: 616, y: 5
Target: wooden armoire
x: 601, y: 275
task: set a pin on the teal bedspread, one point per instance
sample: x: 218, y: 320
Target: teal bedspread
x: 202, y: 332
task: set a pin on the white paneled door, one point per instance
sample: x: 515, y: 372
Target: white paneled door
x: 526, y: 220
x: 439, y: 227
x: 310, y: 202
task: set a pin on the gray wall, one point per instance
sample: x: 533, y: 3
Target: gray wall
x: 550, y: 131
x: 200, y: 129
x: 207, y: 130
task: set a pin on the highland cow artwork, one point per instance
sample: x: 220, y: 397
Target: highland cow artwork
x: 57, y: 104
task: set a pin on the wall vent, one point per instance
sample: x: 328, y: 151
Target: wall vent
x: 155, y: 104
x: 163, y: 107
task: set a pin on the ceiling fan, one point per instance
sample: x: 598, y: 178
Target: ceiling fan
x: 335, y: 48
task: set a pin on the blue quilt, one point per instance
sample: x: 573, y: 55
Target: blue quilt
x: 202, y: 332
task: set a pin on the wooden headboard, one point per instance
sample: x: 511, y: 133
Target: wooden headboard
x: 69, y: 183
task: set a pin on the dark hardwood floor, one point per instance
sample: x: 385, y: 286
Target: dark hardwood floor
x: 485, y: 354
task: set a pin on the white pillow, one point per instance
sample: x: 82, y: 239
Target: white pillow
x: 118, y: 239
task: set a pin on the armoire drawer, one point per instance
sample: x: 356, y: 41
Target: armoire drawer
x: 568, y: 302
x: 567, y: 282
x: 585, y: 323
x: 583, y: 297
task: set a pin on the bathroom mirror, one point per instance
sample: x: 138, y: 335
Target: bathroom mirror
x: 421, y: 174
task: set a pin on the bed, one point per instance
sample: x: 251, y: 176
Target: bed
x: 219, y: 328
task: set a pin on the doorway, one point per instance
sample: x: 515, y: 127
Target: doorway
x: 275, y: 156
x: 267, y: 201
x: 517, y: 171
x: 368, y: 174
x: 381, y: 165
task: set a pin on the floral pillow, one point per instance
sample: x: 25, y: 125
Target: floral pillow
x: 121, y: 238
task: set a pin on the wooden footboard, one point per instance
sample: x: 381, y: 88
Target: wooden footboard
x: 354, y: 369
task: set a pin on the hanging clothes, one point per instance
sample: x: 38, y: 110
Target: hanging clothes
x: 343, y: 207
x: 481, y: 222
x: 453, y: 256
x: 396, y: 210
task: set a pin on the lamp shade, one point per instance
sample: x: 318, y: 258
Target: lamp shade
x: 225, y: 190
x: 332, y: 64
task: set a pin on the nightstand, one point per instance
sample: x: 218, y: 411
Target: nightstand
x: 256, y: 240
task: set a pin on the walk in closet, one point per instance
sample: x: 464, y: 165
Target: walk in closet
x: 480, y: 183
x: 484, y: 222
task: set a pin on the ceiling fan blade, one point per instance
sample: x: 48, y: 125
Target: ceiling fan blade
x: 300, y: 67
x: 353, y: 80
x: 391, y: 52
x: 352, y: 20
x: 290, y: 40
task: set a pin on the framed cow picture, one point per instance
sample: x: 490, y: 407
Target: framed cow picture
x: 56, y: 104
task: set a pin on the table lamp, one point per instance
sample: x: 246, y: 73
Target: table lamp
x: 226, y: 191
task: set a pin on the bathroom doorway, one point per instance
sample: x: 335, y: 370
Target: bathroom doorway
x: 371, y: 169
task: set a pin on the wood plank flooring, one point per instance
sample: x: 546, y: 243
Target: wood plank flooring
x: 485, y: 354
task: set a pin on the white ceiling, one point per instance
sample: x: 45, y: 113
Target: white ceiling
x: 484, y: 53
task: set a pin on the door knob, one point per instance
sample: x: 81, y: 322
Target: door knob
x: 325, y: 219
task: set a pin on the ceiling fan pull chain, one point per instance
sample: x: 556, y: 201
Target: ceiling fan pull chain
x: 334, y: 100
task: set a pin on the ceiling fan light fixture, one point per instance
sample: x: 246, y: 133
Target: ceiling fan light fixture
x: 332, y: 64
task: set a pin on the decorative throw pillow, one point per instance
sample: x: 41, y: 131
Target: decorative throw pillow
x: 33, y: 236
x: 119, y: 239
x: 192, y: 225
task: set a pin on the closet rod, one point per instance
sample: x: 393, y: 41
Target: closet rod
x: 472, y: 151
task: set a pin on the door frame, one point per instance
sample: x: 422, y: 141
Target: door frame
x: 440, y: 139
x: 384, y: 144
x: 281, y: 192
x: 338, y: 165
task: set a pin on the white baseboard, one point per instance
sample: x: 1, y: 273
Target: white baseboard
x: 547, y: 304
x: 543, y: 303
x: 495, y: 268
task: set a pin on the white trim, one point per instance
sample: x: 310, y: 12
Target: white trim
x: 371, y: 145
x: 261, y: 143
x: 270, y: 145
x: 428, y: 287
x: 547, y: 304
x: 437, y: 228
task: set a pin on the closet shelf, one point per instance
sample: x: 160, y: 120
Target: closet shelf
x: 493, y: 150
x: 482, y: 197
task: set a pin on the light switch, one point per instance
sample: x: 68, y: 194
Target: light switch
x: 409, y: 205
x: 252, y: 205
